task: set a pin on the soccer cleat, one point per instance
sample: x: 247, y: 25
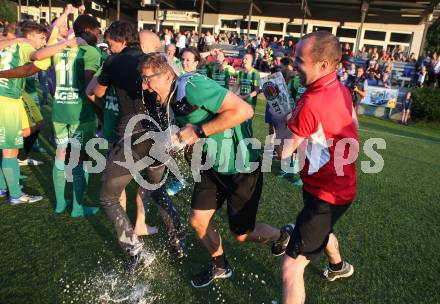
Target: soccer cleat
x: 140, y: 261
x: 297, y: 182
x: 25, y: 199
x: 284, y: 174
x: 4, y: 193
x: 205, y: 278
x: 280, y: 245
x: 331, y: 275
x: 30, y: 162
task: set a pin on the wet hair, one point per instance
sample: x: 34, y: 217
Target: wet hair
x: 28, y: 27
x: 324, y: 46
x: 82, y: 27
x: 122, y: 31
x: 159, y: 62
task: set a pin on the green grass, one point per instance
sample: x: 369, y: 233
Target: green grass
x: 391, y: 234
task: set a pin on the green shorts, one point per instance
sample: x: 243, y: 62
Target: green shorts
x: 11, y: 131
x: 83, y: 132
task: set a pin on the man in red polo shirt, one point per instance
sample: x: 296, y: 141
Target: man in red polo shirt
x: 323, y: 127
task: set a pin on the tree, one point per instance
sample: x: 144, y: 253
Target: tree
x: 433, y: 38
x: 7, y: 11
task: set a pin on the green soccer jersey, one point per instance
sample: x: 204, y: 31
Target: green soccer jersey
x: 295, y: 89
x: 111, y: 109
x: 220, y: 74
x: 249, y: 82
x: 111, y: 115
x: 198, y: 101
x: 70, y: 103
x: 203, y: 70
x: 12, y: 57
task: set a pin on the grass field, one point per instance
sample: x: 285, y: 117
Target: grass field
x: 391, y: 235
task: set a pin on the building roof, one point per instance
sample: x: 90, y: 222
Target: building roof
x: 378, y: 11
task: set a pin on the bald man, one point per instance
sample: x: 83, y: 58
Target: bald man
x: 149, y: 41
x: 329, y: 181
x: 120, y: 72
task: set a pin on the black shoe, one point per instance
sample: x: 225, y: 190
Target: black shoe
x: 140, y: 261
x: 279, y: 246
x: 178, y: 249
x: 205, y: 278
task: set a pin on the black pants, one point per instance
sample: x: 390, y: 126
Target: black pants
x: 114, y: 180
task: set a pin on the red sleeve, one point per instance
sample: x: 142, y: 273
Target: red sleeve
x: 305, y: 122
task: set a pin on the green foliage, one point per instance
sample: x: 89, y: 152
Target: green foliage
x: 433, y: 38
x: 7, y: 11
x: 426, y: 104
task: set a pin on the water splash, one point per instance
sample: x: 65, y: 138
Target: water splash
x: 112, y: 286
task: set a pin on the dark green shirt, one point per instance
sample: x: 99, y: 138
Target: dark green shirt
x: 198, y: 100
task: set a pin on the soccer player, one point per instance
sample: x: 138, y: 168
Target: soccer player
x: 32, y: 120
x: 249, y: 81
x: 204, y: 109
x: 72, y: 114
x: 12, y: 113
x: 327, y: 195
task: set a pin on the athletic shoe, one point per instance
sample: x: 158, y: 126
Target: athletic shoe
x: 297, y: 182
x: 331, y: 275
x: 178, y: 249
x: 4, y: 193
x: 30, y: 162
x: 284, y: 174
x: 279, y: 246
x: 24, y: 199
x: 140, y: 261
x: 205, y: 278
x: 175, y: 186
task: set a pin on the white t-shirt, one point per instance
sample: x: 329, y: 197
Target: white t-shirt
x: 181, y: 42
x: 167, y: 38
x: 209, y: 40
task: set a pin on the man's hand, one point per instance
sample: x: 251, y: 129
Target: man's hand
x: 69, y: 9
x: 81, y: 9
x: 279, y: 119
x: 187, y: 135
x: 76, y: 42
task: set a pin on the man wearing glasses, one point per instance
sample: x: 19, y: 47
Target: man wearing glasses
x: 119, y: 71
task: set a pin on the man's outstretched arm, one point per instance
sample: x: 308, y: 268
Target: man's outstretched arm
x: 21, y: 71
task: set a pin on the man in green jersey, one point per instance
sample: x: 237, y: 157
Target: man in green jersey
x: 11, y: 128
x: 204, y: 109
x: 219, y: 70
x: 249, y: 81
x: 32, y: 120
x: 73, y: 116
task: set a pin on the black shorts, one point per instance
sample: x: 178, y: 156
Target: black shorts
x: 313, y: 226
x: 242, y: 191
